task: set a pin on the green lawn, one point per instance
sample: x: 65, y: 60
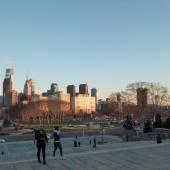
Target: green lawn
x: 67, y: 127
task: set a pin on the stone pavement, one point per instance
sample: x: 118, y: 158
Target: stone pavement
x: 114, y: 155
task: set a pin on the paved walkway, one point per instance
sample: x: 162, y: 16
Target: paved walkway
x: 114, y: 155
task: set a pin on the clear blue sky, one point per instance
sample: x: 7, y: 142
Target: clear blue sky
x: 106, y: 43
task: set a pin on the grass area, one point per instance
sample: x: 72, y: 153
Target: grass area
x: 68, y: 126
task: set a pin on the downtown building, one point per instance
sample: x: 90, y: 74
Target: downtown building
x: 50, y: 107
x: 29, y: 89
x: 82, y: 102
x: 10, y: 96
x: 94, y: 93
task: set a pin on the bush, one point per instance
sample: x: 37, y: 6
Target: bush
x: 147, y: 126
x: 128, y: 124
x: 6, y: 123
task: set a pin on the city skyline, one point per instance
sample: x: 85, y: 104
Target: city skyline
x: 107, y: 44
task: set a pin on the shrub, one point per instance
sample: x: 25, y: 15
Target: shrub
x: 147, y: 126
x: 6, y: 123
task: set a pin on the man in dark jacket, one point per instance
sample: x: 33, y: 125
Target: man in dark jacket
x: 41, y: 138
x: 57, y: 142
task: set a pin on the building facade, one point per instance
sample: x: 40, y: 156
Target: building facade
x: 43, y: 111
x: 94, y: 93
x: 7, y: 87
x: 83, y: 103
x: 11, y: 98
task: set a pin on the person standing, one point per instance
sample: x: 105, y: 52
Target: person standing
x: 76, y: 142
x: 90, y: 142
x: 57, y: 142
x: 95, y: 142
x: 79, y: 143
x: 41, y: 139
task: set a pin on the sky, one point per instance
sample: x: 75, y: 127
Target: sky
x: 105, y: 43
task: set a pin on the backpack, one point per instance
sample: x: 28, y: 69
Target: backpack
x: 56, y: 136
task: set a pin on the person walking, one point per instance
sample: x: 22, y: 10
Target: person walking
x: 41, y: 141
x: 57, y: 142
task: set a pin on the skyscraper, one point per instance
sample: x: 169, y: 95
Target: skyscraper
x: 7, y: 84
x: 83, y: 89
x: 94, y: 93
x: 9, y: 73
x: 71, y: 89
x: 29, y: 88
x: 54, y: 88
x: 7, y: 87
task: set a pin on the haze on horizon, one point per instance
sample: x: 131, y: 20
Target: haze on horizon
x: 107, y: 44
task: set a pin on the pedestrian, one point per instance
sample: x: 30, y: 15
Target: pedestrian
x: 79, y: 143
x: 90, y: 142
x: 57, y: 142
x: 94, y: 142
x: 75, y: 142
x: 41, y: 139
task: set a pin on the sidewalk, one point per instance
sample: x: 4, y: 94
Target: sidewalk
x: 114, y: 155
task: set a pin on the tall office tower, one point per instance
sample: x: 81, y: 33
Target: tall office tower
x: 94, y: 93
x: 7, y: 87
x: 83, y: 89
x: 7, y: 84
x: 33, y: 88
x: 11, y: 98
x: 9, y: 73
x: 142, y: 97
x: 29, y: 88
x: 71, y: 89
x: 54, y: 88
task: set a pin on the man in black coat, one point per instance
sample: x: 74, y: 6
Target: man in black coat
x: 41, y: 138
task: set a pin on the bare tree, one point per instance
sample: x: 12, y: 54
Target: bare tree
x: 157, y: 95
x: 126, y: 98
x: 113, y: 97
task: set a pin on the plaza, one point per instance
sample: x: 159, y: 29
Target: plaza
x: 113, y: 155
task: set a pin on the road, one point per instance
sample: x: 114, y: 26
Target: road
x: 28, y: 137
